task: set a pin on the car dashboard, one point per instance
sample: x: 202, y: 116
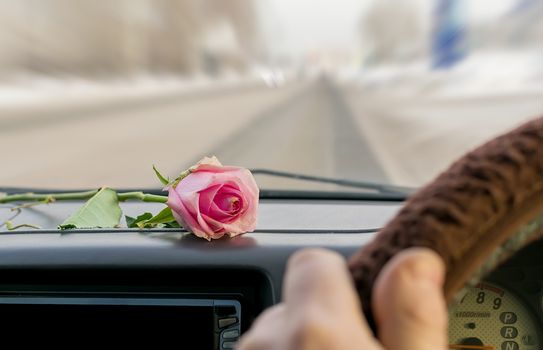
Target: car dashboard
x: 165, y: 285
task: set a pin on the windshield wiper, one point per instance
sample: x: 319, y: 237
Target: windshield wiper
x: 368, y: 186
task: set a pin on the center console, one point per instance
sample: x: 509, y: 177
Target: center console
x: 166, y: 308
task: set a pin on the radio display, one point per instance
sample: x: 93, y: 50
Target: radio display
x: 128, y: 320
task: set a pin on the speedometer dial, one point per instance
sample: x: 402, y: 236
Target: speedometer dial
x: 489, y: 317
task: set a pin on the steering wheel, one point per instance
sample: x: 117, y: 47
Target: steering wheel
x: 475, y: 215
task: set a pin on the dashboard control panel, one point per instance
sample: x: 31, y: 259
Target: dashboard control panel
x: 157, y: 319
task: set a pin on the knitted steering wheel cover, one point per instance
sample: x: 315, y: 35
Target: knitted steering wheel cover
x: 484, y: 208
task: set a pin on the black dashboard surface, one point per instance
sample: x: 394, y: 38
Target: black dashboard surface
x: 248, y: 268
x: 158, y: 263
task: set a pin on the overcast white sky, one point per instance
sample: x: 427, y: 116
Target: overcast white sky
x: 305, y: 25
x: 312, y: 24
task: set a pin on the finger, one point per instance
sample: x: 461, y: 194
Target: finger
x: 264, y: 332
x: 318, y: 275
x: 408, y: 302
x: 319, y: 288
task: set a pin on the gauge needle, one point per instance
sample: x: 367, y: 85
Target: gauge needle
x: 471, y: 347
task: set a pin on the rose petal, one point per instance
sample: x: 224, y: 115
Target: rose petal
x: 195, y: 182
x: 245, y: 223
x: 204, y: 226
x: 190, y: 203
x: 182, y: 215
x: 247, y: 179
x: 229, y: 202
x: 207, y: 196
x: 220, y: 215
x: 209, y: 161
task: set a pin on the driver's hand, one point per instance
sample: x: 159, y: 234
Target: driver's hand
x: 321, y: 309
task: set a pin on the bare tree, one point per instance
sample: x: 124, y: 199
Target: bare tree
x: 121, y: 37
x: 393, y: 30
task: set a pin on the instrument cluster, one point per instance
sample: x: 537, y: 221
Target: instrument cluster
x: 505, y: 311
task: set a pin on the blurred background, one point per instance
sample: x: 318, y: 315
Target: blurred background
x: 93, y: 93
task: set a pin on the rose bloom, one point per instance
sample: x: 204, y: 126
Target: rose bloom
x: 214, y: 200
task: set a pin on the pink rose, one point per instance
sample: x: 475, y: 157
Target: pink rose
x: 214, y: 200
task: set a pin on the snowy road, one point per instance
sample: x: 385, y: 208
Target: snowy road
x: 311, y: 127
x: 302, y: 127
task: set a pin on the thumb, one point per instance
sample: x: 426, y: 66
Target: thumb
x: 408, y: 302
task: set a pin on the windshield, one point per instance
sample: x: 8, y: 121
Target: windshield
x: 93, y: 93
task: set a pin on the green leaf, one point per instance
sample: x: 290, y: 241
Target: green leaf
x: 147, y: 220
x: 172, y: 224
x: 129, y: 221
x: 165, y: 181
x: 101, y: 210
x: 165, y: 216
x: 133, y: 222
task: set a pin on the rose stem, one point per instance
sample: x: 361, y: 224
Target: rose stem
x: 51, y: 197
x: 144, y: 197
